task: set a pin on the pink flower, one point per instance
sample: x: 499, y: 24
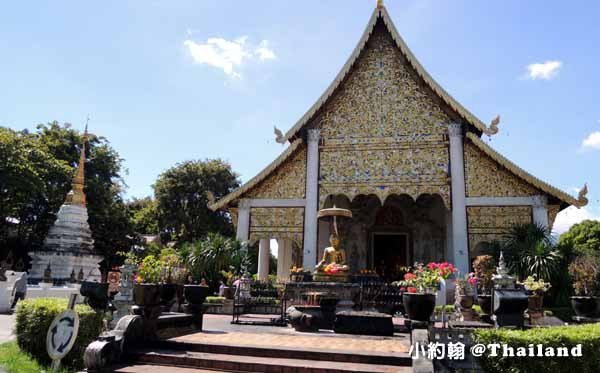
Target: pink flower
x: 409, y: 276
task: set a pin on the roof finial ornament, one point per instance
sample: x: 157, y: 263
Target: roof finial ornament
x: 493, y: 128
x: 279, y: 137
x: 379, y: 4
x: 581, y: 198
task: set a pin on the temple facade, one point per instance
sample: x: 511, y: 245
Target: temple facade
x: 388, y: 143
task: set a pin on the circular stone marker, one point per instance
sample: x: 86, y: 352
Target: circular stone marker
x: 62, y: 334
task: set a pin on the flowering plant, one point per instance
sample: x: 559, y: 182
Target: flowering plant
x: 149, y: 271
x: 422, y: 279
x: 467, y: 283
x: 538, y: 287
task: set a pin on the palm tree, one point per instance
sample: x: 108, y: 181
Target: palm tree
x: 530, y: 250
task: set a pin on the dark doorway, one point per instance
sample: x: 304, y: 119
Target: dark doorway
x: 390, y: 255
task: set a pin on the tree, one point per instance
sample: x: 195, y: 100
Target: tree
x: 181, y: 199
x: 144, y: 215
x: 30, y: 179
x: 582, y: 238
x: 36, y: 170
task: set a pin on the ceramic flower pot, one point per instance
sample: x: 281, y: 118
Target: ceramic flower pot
x: 586, y: 306
x: 95, y: 293
x: 536, y: 302
x: 485, y: 302
x: 146, y: 295
x: 167, y: 293
x: 418, y: 307
x: 195, y: 294
x: 466, y: 301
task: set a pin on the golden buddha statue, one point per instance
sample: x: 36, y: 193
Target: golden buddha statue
x: 333, y: 255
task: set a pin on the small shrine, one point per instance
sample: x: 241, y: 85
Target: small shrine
x: 69, y: 247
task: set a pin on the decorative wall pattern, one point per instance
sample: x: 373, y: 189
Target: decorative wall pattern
x: 288, y: 181
x: 383, y: 133
x: 489, y: 223
x: 277, y: 223
x: 553, y: 210
x: 486, y: 178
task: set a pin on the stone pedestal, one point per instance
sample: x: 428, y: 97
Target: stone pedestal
x: 5, y: 297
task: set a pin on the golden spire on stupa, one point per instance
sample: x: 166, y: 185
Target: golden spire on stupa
x: 379, y: 4
x: 76, y: 196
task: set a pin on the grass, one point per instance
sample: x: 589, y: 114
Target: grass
x: 13, y: 360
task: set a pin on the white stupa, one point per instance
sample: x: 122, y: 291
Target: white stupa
x: 68, y: 249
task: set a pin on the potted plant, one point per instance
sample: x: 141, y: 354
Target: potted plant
x: 584, y: 271
x: 228, y: 290
x: 421, y: 284
x: 484, y: 267
x: 171, y: 274
x: 146, y: 290
x: 536, y: 289
x: 466, y: 290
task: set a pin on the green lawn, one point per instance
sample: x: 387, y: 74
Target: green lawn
x: 13, y: 360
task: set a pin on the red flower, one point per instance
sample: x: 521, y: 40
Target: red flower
x: 412, y: 289
x: 409, y: 276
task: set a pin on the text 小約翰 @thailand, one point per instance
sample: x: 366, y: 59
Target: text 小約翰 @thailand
x: 456, y: 350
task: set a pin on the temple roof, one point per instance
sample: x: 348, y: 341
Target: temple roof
x: 475, y: 127
x: 522, y: 174
x: 223, y: 202
x: 380, y: 12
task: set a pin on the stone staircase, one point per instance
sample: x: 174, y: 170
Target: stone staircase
x: 177, y: 356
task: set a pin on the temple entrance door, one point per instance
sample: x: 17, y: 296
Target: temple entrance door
x: 390, y: 254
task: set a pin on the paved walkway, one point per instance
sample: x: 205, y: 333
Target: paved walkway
x: 218, y: 330
x: 7, y: 323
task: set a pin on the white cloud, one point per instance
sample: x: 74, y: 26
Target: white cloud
x: 570, y: 216
x: 592, y: 141
x: 228, y: 55
x: 263, y: 51
x: 545, y: 71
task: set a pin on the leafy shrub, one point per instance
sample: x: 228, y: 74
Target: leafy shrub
x: 561, y: 336
x: 33, y: 318
x: 215, y: 300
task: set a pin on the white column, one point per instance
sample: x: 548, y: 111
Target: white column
x: 312, y: 200
x: 460, y: 242
x: 540, y: 211
x: 243, y: 221
x: 284, y: 259
x: 264, y: 254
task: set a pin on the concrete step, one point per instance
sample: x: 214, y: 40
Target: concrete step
x: 145, y: 368
x: 306, y: 353
x: 240, y: 363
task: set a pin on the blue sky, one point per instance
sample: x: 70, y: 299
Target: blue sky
x: 168, y: 81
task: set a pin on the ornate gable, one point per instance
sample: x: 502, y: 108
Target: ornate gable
x: 384, y: 131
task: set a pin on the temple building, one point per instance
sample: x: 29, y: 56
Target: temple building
x: 68, y: 251
x: 388, y: 143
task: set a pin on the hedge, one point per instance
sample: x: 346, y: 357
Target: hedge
x: 561, y: 336
x: 214, y: 300
x: 33, y: 318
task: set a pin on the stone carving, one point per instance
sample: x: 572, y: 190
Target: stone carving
x: 288, y: 181
x: 486, y: 178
